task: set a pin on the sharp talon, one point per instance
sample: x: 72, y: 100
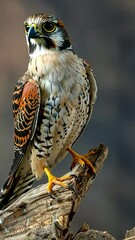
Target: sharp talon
x: 94, y: 175
x: 73, y: 175
x: 77, y: 178
x: 71, y: 167
x: 51, y: 195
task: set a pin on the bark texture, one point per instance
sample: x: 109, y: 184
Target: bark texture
x: 35, y: 215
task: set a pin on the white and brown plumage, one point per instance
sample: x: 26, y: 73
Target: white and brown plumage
x: 52, y: 104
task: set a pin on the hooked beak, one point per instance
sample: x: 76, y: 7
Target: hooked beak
x: 33, y: 33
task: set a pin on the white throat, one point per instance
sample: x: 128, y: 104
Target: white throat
x: 38, y: 49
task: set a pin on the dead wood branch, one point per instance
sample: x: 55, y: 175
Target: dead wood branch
x: 130, y: 234
x: 35, y: 215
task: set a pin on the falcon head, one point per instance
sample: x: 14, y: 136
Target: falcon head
x: 45, y: 32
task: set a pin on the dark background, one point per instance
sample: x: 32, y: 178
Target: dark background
x: 102, y: 32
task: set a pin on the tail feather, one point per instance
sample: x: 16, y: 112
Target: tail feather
x: 16, y: 185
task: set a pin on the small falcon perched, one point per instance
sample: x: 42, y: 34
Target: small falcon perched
x: 52, y: 104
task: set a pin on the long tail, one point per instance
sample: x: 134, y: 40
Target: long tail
x: 16, y: 184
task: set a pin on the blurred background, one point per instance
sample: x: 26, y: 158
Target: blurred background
x: 102, y: 32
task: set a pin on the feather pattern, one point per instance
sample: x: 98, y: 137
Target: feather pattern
x: 26, y: 104
x: 52, y: 104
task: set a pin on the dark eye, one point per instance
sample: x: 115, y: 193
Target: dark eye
x: 26, y: 27
x: 49, y: 26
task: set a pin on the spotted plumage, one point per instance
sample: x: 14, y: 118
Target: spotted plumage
x: 52, y: 104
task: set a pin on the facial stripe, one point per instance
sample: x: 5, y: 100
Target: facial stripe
x: 53, y: 40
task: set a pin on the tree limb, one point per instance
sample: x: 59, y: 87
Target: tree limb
x: 35, y: 215
x: 130, y: 234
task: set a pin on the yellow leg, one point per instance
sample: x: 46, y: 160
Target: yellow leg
x: 81, y: 159
x: 52, y: 180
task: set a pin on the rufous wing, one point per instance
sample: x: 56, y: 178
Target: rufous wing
x: 26, y: 105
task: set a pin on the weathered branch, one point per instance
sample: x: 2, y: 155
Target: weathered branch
x: 35, y: 215
x: 130, y: 234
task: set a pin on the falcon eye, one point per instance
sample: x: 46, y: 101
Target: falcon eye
x: 26, y: 26
x: 49, y: 26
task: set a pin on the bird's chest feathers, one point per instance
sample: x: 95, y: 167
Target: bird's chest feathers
x: 57, y: 75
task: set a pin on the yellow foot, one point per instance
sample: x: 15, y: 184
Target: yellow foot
x: 81, y: 159
x: 52, y: 180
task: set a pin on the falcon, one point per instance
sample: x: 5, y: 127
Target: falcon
x: 52, y: 104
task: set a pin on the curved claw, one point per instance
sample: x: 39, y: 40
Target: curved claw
x: 77, y: 178
x: 51, y: 195
x: 94, y: 175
